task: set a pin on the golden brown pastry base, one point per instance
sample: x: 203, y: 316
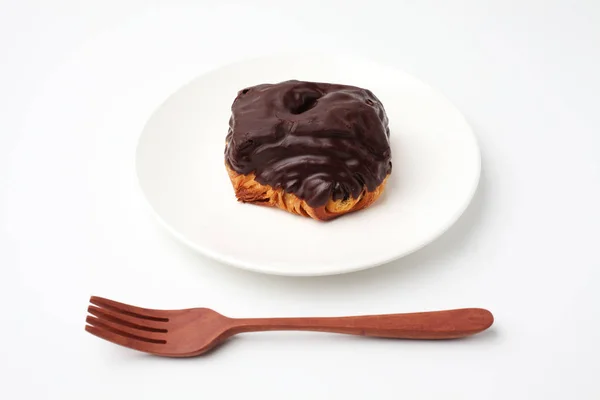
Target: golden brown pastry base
x: 248, y: 190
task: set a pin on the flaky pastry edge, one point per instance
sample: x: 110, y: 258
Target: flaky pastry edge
x: 248, y: 190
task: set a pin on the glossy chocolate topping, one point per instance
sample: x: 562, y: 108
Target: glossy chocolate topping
x: 316, y: 140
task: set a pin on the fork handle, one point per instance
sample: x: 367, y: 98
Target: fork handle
x: 447, y: 324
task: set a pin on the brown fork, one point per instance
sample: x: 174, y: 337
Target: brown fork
x: 191, y: 332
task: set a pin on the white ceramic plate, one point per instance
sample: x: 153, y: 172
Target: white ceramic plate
x: 436, y: 166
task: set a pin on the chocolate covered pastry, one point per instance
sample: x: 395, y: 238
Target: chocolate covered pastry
x: 319, y: 150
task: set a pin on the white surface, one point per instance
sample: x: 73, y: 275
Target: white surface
x: 78, y: 82
x: 179, y: 159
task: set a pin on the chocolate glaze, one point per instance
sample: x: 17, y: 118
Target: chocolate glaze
x: 316, y: 140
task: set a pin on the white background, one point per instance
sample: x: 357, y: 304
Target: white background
x: 79, y: 79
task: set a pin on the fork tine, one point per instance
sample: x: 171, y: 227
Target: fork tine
x: 126, y: 320
x: 144, y: 313
x: 126, y: 331
x: 124, y: 341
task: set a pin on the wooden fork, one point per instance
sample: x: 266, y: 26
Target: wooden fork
x: 191, y: 332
